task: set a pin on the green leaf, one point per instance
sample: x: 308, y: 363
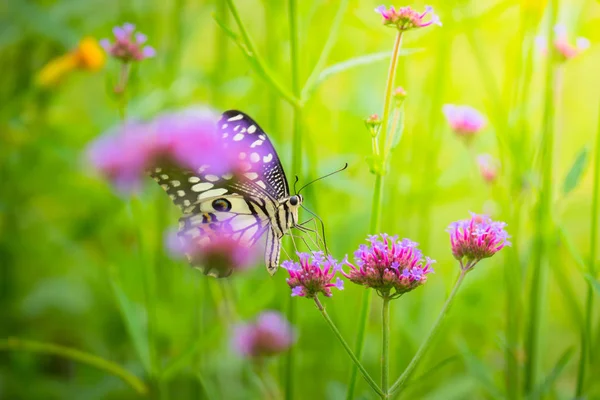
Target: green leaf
x: 133, y: 321
x: 350, y: 64
x: 594, y: 282
x: 558, y: 369
x: 397, y: 124
x: 574, y: 175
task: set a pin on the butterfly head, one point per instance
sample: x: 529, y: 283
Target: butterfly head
x: 292, y: 204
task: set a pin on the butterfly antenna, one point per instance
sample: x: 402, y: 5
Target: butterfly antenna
x: 322, y: 226
x: 318, y: 179
x: 295, y: 182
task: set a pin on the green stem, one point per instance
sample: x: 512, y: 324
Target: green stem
x: 402, y: 380
x: 543, y: 219
x: 261, y: 66
x: 121, y: 89
x: 385, y: 348
x: 296, y: 167
x: 75, y: 355
x: 376, y: 207
x: 586, y: 333
x: 387, y: 102
x: 354, y: 358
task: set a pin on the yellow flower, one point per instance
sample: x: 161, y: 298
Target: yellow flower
x: 86, y: 56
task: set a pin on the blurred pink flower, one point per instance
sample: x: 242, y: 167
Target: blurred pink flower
x: 127, y: 46
x: 271, y: 334
x: 465, y: 121
x: 488, y: 167
x: 406, y: 18
x: 186, y: 138
x: 389, y: 266
x: 218, y: 254
x: 476, y: 238
x: 563, y: 46
x: 313, y: 274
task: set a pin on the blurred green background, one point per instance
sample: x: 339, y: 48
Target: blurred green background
x: 75, y: 254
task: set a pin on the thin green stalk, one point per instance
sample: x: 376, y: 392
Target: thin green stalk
x: 76, y: 355
x: 333, y: 34
x: 385, y: 348
x: 543, y: 221
x: 263, y: 69
x: 403, y: 379
x: 387, y: 102
x: 376, y: 207
x: 354, y: 358
x: 221, y: 58
x: 121, y: 89
x: 148, y: 285
x: 586, y: 332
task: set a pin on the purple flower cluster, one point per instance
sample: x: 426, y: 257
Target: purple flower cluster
x: 406, y: 18
x: 313, y: 274
x: 465, y: 121
x: 271, y: 334
x: 476, y: 238
x: 186, y: 138
x: 390, y: 266
x: 128, y: 47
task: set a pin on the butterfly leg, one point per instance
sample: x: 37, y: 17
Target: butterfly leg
x: 318, y: 240
x: 303, y: 241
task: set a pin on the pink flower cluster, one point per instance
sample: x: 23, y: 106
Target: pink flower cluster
x: 186, y: 138
x: 269, y: 335
x: 390, y: 266
x: 313, y: 274
x: 406, y: 18
x: 127, y: 46
x: 465, y: 121
x: 476, y: 238
x: 215, y: 254
x: 488, y: 167
x: 563, y: 46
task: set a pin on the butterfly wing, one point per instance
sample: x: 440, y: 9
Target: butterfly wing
x: 243, y: 205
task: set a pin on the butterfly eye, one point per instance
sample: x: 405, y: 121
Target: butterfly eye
x: 294, y: 200
x: 221, y: 205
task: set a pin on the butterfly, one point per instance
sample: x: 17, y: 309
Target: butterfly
x: 244, y: 206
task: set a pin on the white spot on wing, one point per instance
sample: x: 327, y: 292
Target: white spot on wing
x: 157, y: 170
x: 175, y: 183
x: 238, y: 137
x: 242, y: 155
x: 187, y: 203
x: 268, y: 158
x: 251, y: 175
x: 252, y: 129
x: 256, y: 143
x: 180, y: 193
x: 212, y: 193
x: 262, y: 137
x: 224, y: 126
x: 261, y: 184
x: 228, y: 176
x: 254, y: 157
x: 199, y: 187
x: 164, y: 176
x: 211, y: 178
x: 235, y: 117
x: 193, y: 179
